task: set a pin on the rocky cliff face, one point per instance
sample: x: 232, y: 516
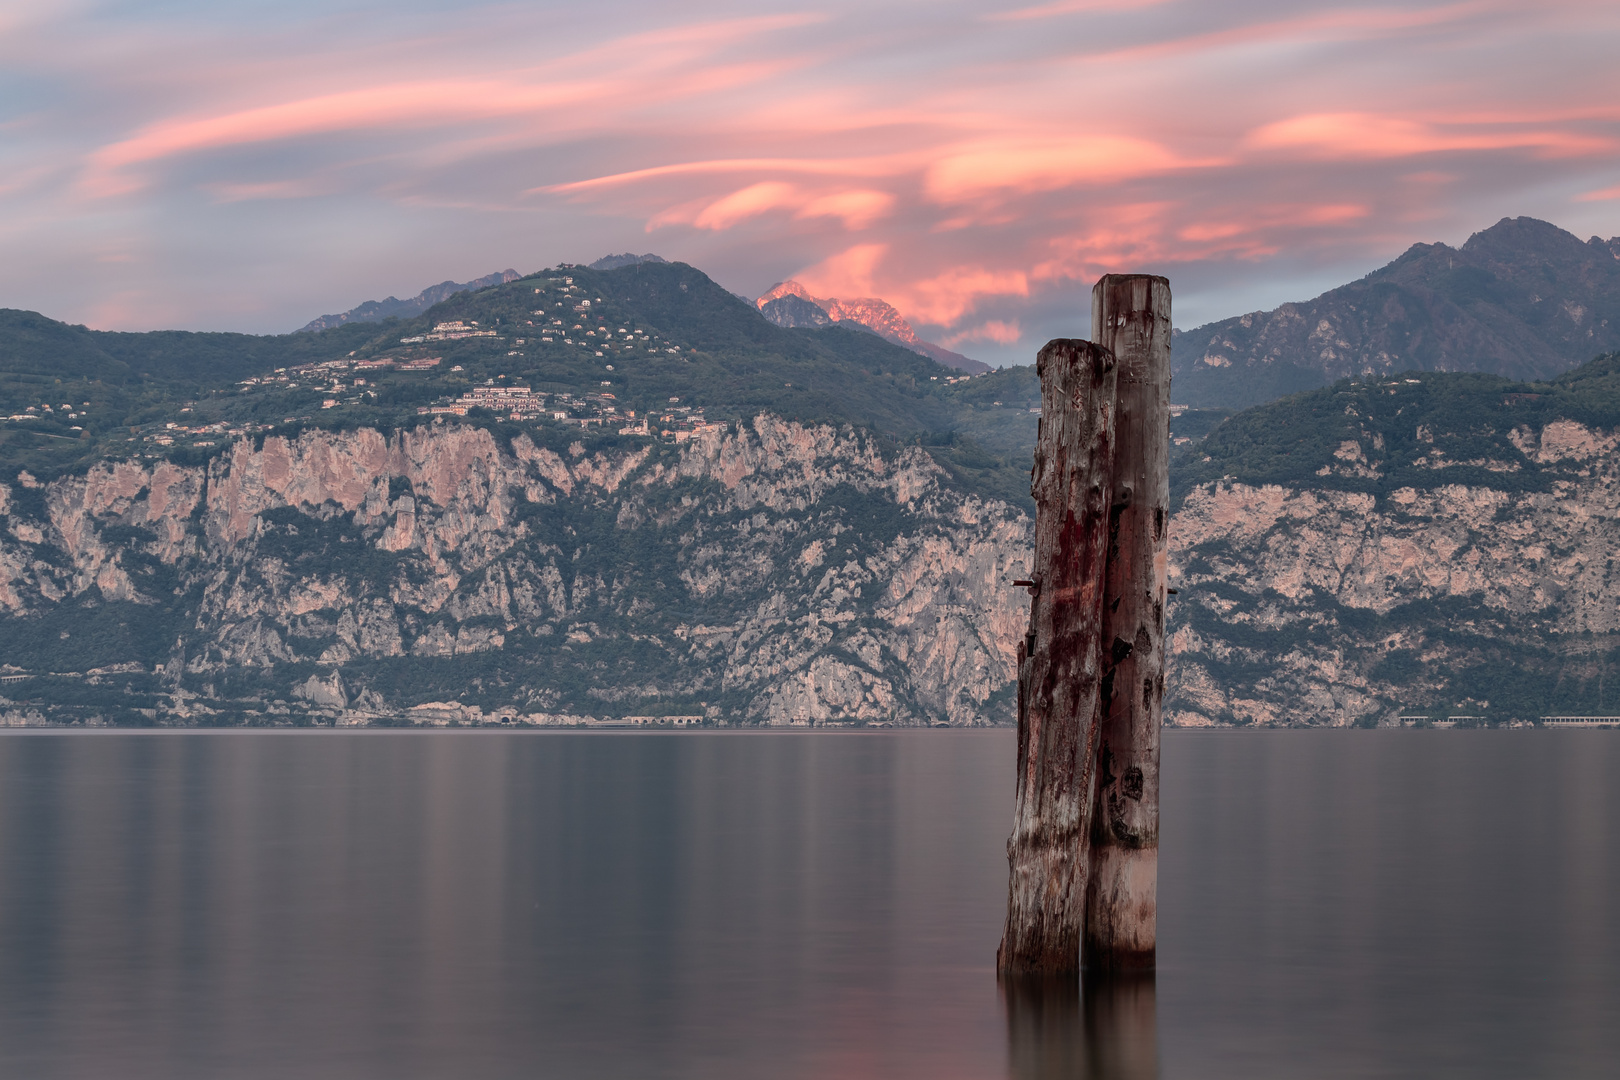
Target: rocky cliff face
x: 769, y: 573
x: 1488, y: 589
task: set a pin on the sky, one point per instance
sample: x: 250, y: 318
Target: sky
x: 249, y: 166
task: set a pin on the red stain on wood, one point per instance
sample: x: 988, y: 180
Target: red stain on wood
x: 1083, y: 855
x: 1060, y: 666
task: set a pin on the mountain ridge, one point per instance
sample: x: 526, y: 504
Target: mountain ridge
x: 817, y: 530
x: 616, y: 262
x: 1522, y: 299
x: 876, y: 315
x: 393, y: 308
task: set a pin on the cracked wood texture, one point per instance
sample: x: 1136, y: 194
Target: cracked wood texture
x: 1059, y: 664
x: 1130, y: 316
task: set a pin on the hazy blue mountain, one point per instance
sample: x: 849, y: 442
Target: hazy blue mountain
x: 392, y: 308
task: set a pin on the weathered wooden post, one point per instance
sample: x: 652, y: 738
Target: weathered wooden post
x: 1130, y: 316
x: 1059, y: 663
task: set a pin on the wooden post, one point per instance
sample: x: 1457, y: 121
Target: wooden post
x: 1059, y: 662
x: 1130, y: 316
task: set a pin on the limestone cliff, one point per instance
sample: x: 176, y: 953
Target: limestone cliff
x: 768, y: 573
x: 1479, y: 585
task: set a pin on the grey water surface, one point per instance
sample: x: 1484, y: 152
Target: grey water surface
x: 541, y: 904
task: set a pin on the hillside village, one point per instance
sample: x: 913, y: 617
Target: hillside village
x: 564, y: 360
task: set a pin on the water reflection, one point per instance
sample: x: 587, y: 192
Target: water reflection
x: 1104, y: 1027
x: 488, y: 906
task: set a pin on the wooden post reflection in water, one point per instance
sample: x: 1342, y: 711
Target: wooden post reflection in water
x: 1101, y: 1028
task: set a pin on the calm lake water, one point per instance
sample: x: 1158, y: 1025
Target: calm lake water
x: 482, y: 904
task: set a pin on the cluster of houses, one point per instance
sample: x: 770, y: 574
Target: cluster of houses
x: 173, y: 433
x: 316, y: 375
x: 42, y: 410
x: 450, y: 331
x: 517, y: 402
x: 677, y: 422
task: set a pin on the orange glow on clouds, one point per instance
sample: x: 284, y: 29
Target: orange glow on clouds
x: 975, y: 169
x: 851, y: 273
x: 1367, y: 135
x: 1002, y: 333
x: 1022, y: 166
x: 855, y: 208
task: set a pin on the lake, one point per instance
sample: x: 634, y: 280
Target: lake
x: 539, y: 904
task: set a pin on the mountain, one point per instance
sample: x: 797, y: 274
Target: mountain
x: 602, y: 494
x: 678, y: 335
x: 871, y: 313
x: 391, y: 308
x: 581, y: 495
x: 1432, y: 545
x: 1522, y: 299
x: 616, y: 262
x: 794, y: 311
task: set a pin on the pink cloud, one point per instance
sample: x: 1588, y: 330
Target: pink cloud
x: 962, y: 166
x: 1027, y: 165
x: 749, y: 202
x: 996, y: 330
x: 851, y: 273
x: 946, y: 297
x: 888, y: 165
x: 1071, y: 7
x: 938, y: 300
x: 422, y: 104
x: 1371, y: 135
x: 272, y: 189
x: 1163, y: 233
x: 856, y: 209
x: 1271, y: 218
x: 1335, y: 25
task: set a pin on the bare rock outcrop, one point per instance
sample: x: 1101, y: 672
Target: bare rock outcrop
x: 769, y: 573
x: 1331, y: 606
